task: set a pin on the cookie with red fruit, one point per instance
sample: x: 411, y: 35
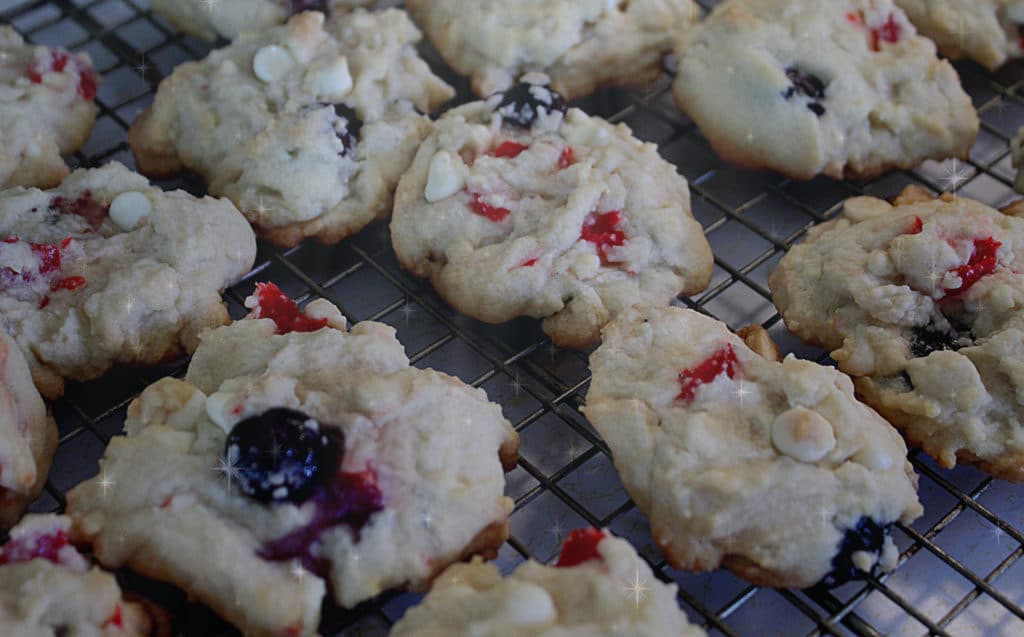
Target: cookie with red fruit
x: 108, y: 269
x: 230, y: 18
x: 920, y: 301
x: 298, y: 457
x: 521, y: 206
x: 47, y: 109
x: 770, y: 468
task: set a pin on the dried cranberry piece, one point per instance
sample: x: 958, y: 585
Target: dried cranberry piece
x: 602, y: 229
x: 522, y: 104
x: 723, y: 361
x: 580, y: 547
x: 983, y: 262
x: 807, y: 85
x: 84, y: 206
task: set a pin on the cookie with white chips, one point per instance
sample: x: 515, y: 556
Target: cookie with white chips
x: 47, y: 109
x: 986, y: 31
x: 294, y: 455
x: 108, y: 269
x: 844, y: 88
x: 306, y: 126
x: 770, y: 468
x: 518, y: 206
x: 920, y: 301
x: 210, y: 19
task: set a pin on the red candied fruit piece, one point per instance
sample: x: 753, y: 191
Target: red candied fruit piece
x: 116, y: 620
x: 721, y: 362
x: 982, y: 263
x: 484, y: 209
x: 529, y: 263
x: 602, y: 229
x: 567, y: 158
x: 275, y: 305
x: 889, y: 32
x: 83, y: 206
x: 509, y: 150
x: 46, y: 547
x: 58, y: 63
x: 70, y: 283
x: 916, y: 226
x: 580, y: 547
x: 48, y: 255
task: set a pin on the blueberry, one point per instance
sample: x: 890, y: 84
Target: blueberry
x: 298, y: 6
x: 352, y: 127
x: 930, y: 338
x: 868, y: 536
x: 807, y: 85
x: 523, y: 103
x: 282, y: 455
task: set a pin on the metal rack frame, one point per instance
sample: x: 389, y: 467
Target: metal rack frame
x: 565, y: 474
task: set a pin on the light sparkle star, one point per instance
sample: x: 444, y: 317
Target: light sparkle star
x: 637, y: 589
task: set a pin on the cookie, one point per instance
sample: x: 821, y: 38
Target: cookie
x: 842, y: 88
x: 107, y: 269
x: 599, y: 587
x: 518, y: 206
x: 28, y: 435
x: 306, y: 126
x: 986, y: 31
x: 920, y: 301
x: 212, y: 19
x: 582, y: 45
x: 770, y: 468
x: 1017, y: 157
x: 48, y: 588
x: 296, y: 455
x: 47, y: 109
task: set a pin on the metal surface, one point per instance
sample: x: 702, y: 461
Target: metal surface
x: 960, y: 571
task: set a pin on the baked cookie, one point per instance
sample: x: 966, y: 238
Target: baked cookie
x: 920, y: 301
x: 986, y: 31
x: 210, y: 19
x: 28, y: 435
x: 582, y: 45
x: 47, y: 588
x: 517, y: 206
x: 107, y: 269
x: 306, y: 126
x: 844, y: 88
x: 772, y: 469
x: 293, y: 454
x: 47, y: 110
x: 599, y: 587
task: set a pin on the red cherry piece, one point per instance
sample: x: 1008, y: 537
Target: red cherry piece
x: 916, y: 226
x: 602, y: 229
x: 116, y: 620
x: 529, y: 263
x: 721, y: 362
x: 70, y: 283
x: 982, y: 263
x: 566, y: 159
x: 509, y: 150
x: 580, y: 547
x: 46, y: 547
x: 275, y: 305
x: 484, y: 209
x: 48, y: 255
x: 84, y: 206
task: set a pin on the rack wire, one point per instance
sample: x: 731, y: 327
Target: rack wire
x: 960, y: 570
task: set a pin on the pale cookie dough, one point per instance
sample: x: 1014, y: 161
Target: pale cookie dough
x: 296, y: 454
x: 210, y: 19
x: 587, y: 594
x: 47, y: 109
x: 583, y: 45
x: 921, y: 303
x: 306, y: 126
x: 28, y: 435
x: 47, y: 588
x: 515, y: 206
x: 771, y: 469
x: 107, y: 269
x: 987, y: 31
x: 844, y: 88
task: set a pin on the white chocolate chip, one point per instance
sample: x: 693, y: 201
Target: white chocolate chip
x: 334, y: 81
x: 128, y: 209
x: 272, y: 63
x: 803, y: 435
x: 528, y: 605
x: 445, y: 177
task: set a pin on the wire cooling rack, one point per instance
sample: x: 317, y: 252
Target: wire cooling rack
x: 960, y: 572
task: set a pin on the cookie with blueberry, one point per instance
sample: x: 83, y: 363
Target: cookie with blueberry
x: 520, y: 206
x: 306, y: 126
x: 47, y: 109
x: 28, y: 435
x: 297, y: 457
x: 212, y: 19
x: 990, y: 32
x: 844, y: 88
x: 599, y: 586
x: 48, y: 588
x: 108, y: 269
x: 770, y: 468
x: 582, y: 45
x: 920, y: 301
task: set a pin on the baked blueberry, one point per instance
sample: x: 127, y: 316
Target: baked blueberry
x: 522, y: 104
x: 282, y: 455
x: 298, y: 6
x: 867, y: 536
x: 807, y: 85
x: 348, y: 132
x: 931, y: 338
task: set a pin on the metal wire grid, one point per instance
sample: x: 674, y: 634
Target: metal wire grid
x: 960, y: 570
